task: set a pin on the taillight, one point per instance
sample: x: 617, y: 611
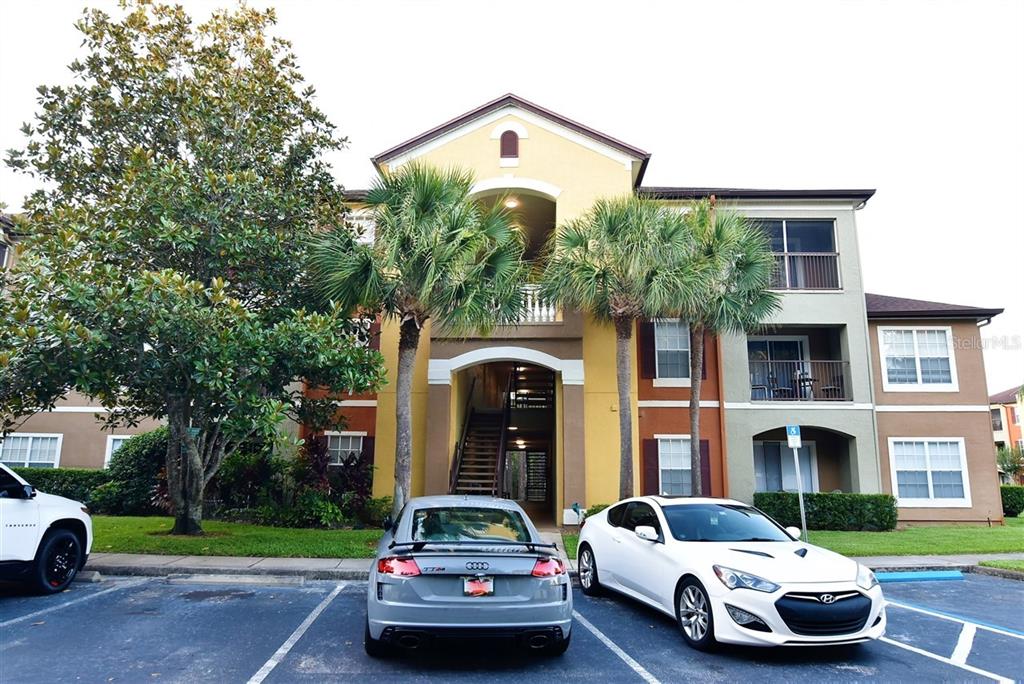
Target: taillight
x: 403, y: 567
x: 548, y: 567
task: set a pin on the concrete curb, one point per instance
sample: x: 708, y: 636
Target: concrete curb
x: 184, y: 570
x: 997, y: 572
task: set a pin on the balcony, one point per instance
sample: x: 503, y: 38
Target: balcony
x: 806, y: 271
x: 800, y: 381
x: 538, y: 311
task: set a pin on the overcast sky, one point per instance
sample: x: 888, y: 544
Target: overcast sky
x: 922, y: 100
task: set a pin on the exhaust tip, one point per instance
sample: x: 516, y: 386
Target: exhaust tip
x: 409, y: 641
x: 538, y: 641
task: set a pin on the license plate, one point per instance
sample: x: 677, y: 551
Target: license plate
x: 478, y: 586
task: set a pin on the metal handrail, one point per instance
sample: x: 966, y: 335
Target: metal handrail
x: 453, y: 476
x: 506, y: 416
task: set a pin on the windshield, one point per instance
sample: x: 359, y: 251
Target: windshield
x: 468, y: 524
x: 721, y: 523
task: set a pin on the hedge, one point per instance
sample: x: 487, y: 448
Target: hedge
x: 1013, y: 500
x: 831, y: 510
x: 73, y: 483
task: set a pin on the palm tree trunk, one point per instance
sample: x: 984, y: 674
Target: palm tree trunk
x: 696, y: 379
x: 408, y: 341
x: 623, y: 378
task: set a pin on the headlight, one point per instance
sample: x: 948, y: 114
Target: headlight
x: 734, y: 579
x: 865, y: 577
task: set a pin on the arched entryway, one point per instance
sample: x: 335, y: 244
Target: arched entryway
x: 824, y: 460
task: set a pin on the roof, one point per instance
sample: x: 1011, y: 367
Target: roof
x: 674, y: 193
x: 882, y: 306
x: 511, y: 100
x: 1008, y: 396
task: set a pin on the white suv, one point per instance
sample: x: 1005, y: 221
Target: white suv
x: 44, y: 539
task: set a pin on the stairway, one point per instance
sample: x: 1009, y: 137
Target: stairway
x: 533, y: 388
x: 479, y: 465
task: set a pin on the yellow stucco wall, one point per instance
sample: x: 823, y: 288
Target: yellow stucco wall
x: 582, y: 175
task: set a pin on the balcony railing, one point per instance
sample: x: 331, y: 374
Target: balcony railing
x: 806, y: 271
x: 537, y: 309
x: 800, y: 381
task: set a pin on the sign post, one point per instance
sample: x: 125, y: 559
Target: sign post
x: 793, y: 438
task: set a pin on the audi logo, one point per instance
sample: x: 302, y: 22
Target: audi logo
x: 477, y: 565
x: 827, y: 598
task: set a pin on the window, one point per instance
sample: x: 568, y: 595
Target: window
x: 997, y: 420
x: 638, y: 514
x: 344, y: 445
x: 114, y: 442
x: 3, y: 255
x: 721, y: 523
x: 32, y: 451
x: 674, y: 466
x: 929, y: 472
x: 805, y: 252
x: 774, y: 470
x: 615, y: 515
x: 1014, y: 416
x: 468, y: 524
x: 509, y: 145
x: 672, y: 350
x: 917, y: 359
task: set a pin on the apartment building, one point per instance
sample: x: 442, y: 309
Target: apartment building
x: 530, y: 411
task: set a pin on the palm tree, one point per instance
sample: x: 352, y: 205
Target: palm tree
x: 627, y: 258
x: 738, y: 265
x: 439, y: 255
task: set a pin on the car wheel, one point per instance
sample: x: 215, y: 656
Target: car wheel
x: 694, y: 614
x: 587, y: 565
x: 559, y: 647
x: 57, y: 562
x: 375, y: 648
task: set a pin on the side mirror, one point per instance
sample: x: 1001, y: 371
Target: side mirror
x: 388, y: 523
x: 794, y: 532
x: 646, y: 532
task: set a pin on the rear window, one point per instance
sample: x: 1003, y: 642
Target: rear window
x: 468, y: 524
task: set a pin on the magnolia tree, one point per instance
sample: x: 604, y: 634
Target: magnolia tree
x: 164, y: 275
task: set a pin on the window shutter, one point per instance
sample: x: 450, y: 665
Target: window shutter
x: 509, y: 144
x: 645, y: 349
x: 705, y: 467
x: 368, y: 449
x: 649, y: 458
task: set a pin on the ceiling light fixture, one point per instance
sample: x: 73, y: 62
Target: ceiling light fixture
x: 511, y: 203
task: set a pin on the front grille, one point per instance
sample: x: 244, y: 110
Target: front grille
x: 805, y: 614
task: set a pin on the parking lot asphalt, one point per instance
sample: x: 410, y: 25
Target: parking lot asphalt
x: 190, y: 630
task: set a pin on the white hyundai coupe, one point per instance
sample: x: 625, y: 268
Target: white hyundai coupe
x: 728, y: 573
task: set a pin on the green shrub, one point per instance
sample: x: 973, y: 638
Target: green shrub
x: 595, y: 509
x: 831, y: 510
x: 135, y: 468
x: 74, y: 483
x: 1013, y: 500
x: 250, y: 478
x: 375, y: 510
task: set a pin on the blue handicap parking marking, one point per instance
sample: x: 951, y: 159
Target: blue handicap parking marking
x: 998, y: 653
x: 934, y: 634
x: 989, y: 600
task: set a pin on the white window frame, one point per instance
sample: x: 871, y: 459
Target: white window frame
x: 109, y: 451
x: 56, y: 458
x: 672, y: 382
x: 952, y: 386
x: 930, y: 503
x: 686, y: 461
x: 345, y: 433
x: 786, y: 451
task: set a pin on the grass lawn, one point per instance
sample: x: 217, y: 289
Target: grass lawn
x: 914, y: 541
x: 150, y: 535
x: 1017, y: 565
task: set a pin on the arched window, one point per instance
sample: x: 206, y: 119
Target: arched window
x: 509, y: 145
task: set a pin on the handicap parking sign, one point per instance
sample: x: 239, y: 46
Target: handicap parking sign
x: 793, y: 436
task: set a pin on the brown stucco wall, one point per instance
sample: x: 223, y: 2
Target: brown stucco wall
x: 84, y: 443
x: 676, y: 421
x: 976, y: 430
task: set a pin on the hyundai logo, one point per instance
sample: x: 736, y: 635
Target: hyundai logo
x: 827, y: 598
x: 475, y: 565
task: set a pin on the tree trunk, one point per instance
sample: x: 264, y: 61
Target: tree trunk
x: 623, y: 379
x: 184, y: 475
x: 696, y: 379
x: 408, y: 341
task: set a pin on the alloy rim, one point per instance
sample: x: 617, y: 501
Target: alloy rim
x: 693, y: 613
x: 61, y: 564
x: 586, y: 569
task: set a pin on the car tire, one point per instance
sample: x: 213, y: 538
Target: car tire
x: 57, y: 562
x: 559, y: 647
x: 694, y: 615
x: 375, y: 648
x: 586, y: 565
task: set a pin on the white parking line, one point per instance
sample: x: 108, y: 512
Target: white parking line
x: 941, y: 659
x: 80, y: 599
x: 954, y: 618
x: 280, y: 653
x: 635, y: 666
x: 964, y: 644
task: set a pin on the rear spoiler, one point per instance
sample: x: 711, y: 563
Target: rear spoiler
x: 420, y: 545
